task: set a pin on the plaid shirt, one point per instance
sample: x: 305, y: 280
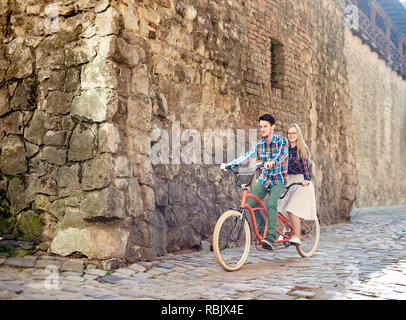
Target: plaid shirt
x: 277, y: 150
x: 298, y: 165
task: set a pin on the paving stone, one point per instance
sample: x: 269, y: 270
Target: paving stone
x: 139, y: 277
x: 71, y: 289
x: 302, y: 293
x: 226, y: 288
x: 6, y: 294
x: 36, y: 285
x: 106, y: 297
x: 72, y: 266
x: 91, y: 293
x: 96, y: 272
x: 124, y: 272
x: 74, y: 278
x: 19, y: 262
x: 111, y: 279
x: 166, y: 265
x: 137, y: 267
x: 162, y: 270
x: 45, y: 263
x: 13, y: 288
x: 71, y: 273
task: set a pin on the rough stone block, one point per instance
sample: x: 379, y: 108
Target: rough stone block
x: 16, y: 195
x: 107, y: 23
x: 97, y: 172
x: 35, y: 132
x: 109, y: 138
x: 122, y: 167
x: 59, y: 102
x: 95, y: 241
x: 68, y: 176
x: 96, y: 105
x: 81, y: 146
x: 53, y: 155
x: 12, y: 158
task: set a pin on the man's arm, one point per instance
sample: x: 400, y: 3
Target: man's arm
x: 246, y: 157
x: 283, y: 150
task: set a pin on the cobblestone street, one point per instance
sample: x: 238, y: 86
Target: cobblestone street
x: 364, y: 259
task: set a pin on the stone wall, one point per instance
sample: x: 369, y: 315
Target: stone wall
x: 85, y: 84
x: 64, y: 161
x: 210, y: 65
x: 379, y: 111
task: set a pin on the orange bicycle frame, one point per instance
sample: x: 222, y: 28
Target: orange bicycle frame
x: 281, y: 218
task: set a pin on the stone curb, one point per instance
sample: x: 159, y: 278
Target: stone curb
x: 80, y: 267
x: 378, y: 211
x: 37, y: 262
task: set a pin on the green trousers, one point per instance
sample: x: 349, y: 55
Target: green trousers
x: 275, y: 193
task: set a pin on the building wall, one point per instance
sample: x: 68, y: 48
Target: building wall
x: 379, y: 111
x: 314, y: 93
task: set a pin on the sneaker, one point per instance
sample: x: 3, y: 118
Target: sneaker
x: 295, y: 241
x: 267, y: 244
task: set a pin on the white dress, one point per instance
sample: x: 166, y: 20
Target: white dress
x: 299, y: 200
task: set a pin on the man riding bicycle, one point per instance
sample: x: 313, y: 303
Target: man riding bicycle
x: 273, y: 151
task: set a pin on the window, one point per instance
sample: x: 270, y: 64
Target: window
x: 277, y: 64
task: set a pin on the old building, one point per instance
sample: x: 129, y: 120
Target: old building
x: 88, y: 90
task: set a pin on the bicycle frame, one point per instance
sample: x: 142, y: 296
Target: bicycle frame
x: 261, y: 207
x: 281, y: 218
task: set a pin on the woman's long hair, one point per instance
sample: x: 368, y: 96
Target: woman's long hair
x: 302, y: 148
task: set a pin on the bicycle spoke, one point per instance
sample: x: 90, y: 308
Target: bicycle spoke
x: 310, y: 233
x: 233, y: 239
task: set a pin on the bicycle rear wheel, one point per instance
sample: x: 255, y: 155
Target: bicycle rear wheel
x: 310, y: 237
x: 231, y: 240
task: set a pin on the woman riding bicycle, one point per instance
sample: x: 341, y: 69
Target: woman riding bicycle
x: 272, y: 149
x: 300, y: 201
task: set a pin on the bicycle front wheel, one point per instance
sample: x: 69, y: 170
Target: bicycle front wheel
x: 231, y: 240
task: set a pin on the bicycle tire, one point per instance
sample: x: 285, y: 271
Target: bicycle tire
x: 310, y: 244
x: 231, y: 240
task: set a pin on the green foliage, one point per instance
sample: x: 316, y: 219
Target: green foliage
x: 7, y: 219
x: 29, y: 227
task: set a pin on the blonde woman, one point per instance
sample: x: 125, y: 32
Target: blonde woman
x: 300, y: 201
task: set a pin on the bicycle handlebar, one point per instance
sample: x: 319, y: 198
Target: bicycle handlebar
x: 258, y: 166
x: 238, y: 174
x: 288, y: 187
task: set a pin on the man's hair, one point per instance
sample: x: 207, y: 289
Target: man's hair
x: 267, y: 117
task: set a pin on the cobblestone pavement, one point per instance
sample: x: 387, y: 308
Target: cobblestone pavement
x: 364, y: 259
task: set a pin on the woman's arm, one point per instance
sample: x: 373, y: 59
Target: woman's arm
x: 306, y: 169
